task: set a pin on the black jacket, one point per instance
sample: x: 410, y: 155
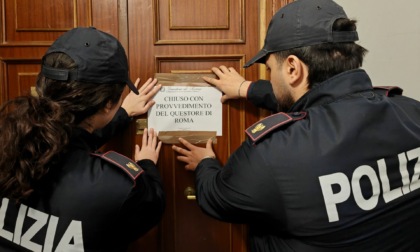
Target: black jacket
x: 339, y: 172
x: 90, y: 202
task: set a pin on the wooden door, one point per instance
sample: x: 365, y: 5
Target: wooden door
x: 160, y: 36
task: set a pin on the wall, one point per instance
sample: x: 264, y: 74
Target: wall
x: 390, y: 30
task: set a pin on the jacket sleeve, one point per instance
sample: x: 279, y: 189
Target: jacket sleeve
x: 260, y: 93
x: 243, y: 191
x: 144, y: 207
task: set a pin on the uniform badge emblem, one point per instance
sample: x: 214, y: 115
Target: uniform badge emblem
x: 132, y: 166
x: 260, y: 129
x: 257, y: 128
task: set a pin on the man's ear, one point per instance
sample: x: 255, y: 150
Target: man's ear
x: 295, y: 70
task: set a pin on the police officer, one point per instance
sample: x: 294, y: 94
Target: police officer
x: 337, y: 169
x: 57, y: 192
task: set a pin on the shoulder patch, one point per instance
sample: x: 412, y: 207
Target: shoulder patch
x: 261, y: 128
x: 127, y: 165
x: 388, y: 90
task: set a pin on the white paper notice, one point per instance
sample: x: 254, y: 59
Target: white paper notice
x: 186, y: 108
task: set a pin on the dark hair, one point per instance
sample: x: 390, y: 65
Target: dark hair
x: 329, y: 59
x: 35, y: 130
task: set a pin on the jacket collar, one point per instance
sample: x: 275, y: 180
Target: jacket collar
x: 82, y: 139
x: 337, y: 87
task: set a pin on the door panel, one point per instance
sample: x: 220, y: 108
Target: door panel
x: 199, y: 22
x: 22, y: 74
x: 29, y: 22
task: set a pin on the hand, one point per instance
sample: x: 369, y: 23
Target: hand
x: 139, y: 104
x: 150, y: 147
x: 192, y: 155
x: 230, y: 82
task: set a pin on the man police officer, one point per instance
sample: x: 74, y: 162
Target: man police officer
x: 337, y: 168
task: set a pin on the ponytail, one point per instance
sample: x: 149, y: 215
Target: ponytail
x: 34, y: 131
